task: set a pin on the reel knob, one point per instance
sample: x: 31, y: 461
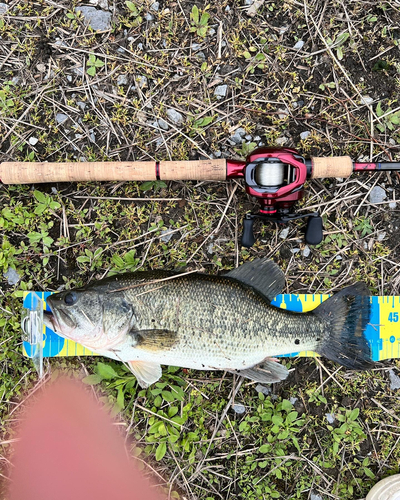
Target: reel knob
x: 313, y: 234
x: 248, y: 239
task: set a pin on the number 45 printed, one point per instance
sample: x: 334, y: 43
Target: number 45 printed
x: 394, y: 317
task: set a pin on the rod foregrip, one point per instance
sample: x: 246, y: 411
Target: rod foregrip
x: 335, y: 166
x: 32, y: 173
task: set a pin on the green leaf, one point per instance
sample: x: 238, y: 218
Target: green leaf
x: 41, y: 197
x: 195, y: 14
x: 99, y: 63
x: 342, y: 38
x: 93, y: 379
x: 339, y: 53
x: 47, y: 240
x: 246, y: 54
x: 40, y: 209
x: 106, y: 371
x: 264, y: 448
x: 55, y: 205
x: 116, y: 259
x: 354, y: 414
x: 204, y: 19
x: 369, y: 473
x: 146, y: 186
x: 379, y: 110
x: 34, y: 236
x: 70, y: 15
x: 91, y: 71
x: 286, y: 405
x: 132, y: 7
x: 160, y: 451
x: 82, y: 259
x: 121, y: 397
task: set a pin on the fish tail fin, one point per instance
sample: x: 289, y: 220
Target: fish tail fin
x: 347, y: 315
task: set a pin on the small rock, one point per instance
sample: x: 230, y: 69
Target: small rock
x: 306, y: 251
x: 78, y: 71
x: 33, y: 140
x: 162, y: 124
x: 293, y: 400
x: 54, y: 190
x: 166, y: 235
x: 227, y: 8
x: 338, y: 257
x: 284, y: 233
x: 282, y: 114
x: 159, y: 142
x: 281, y: 141
x: 330, y: 417
x: 305, y: 134
x: 98, y: 20
x: 15, y: 80
x: 81, y: 105
x: 315, y: 497
x: 69, y: 78
x: 257, y: 138
x: 155, y: 6
x: 295, y: 250
x: 122, y: 80
x: 103, y: 4
x: 392, y: 205
x: 394, y: 380
x: 263, y: 389
x: 92, y: 136
x: 211, y: 32
x: 217, y: 154
x: 3, y: 8
x: 221, y: 91
x: 299, y: 45
x: 140, y: 46
x: 195, y: 47
x: 249, y: 137
x: 365, y: 99
x: 61, y: 118
x: 210, y: 248
x: 381, y: 236
x: 283, y: 29
x: 239, y: 408
x: 201, y: 55
x: 41, y: 68
x: 377, y: 195
x: 392, y: 141
x: 238, y: 136
x: 149, y: 17
x: 248, y: 2
x: 141, y: 81
x: 11, y: 275
x: 174, y: 116
x: 298, y: 104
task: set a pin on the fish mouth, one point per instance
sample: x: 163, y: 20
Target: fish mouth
x: 59, y: 321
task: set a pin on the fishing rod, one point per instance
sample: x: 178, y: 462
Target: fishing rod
x: 275, y: 176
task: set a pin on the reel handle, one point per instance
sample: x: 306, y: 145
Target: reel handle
x: 248, y: 239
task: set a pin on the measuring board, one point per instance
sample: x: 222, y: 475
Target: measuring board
x: 382, y: 333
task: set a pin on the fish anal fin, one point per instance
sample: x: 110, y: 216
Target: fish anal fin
x: 154, y: 340
x: 261, y: 274
x: 268, y: 372
x: 146, y: 372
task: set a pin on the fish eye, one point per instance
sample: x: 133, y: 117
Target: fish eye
x: 70, y: 298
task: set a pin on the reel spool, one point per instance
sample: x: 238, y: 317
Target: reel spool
x: 273, y: 174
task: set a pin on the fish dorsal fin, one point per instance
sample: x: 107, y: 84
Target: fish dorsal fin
x: 153, y: 340
x: 146, y: 372
x: 268, y: 372
x: 261, y: 274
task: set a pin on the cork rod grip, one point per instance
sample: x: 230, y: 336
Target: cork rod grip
x: 30, y: 172
x: 335, y: 166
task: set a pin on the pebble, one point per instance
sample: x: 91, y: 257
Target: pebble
x: 174, y: 116
x: 295, y: 250
x: 338, y: 257
x: 12, y: 276
x: 394, y: 380
x: 195, y: 47
x: 103, y: 4
x: 141, y: 81
x: 81, y: 105
x: 239, y: 408
x: 330, y: 417
x: 249, y: 137
x: 306, y: 251
x: 15, y: 80
x: 41, y: 68
x: 238, y: 136
x: 315, y: 497
x: 61, y: 118
x: 263, y: 389
x: 3, y: 8
x: 305, y: 134
x: 284, y: 233
x: 210, y: 248
x: 155, y: 6
x: 282, y: 114
x: 149, y: 17
x: 299, y: 45
x: 69, y: 78
x: 293, y: 400
x: 122, y: 80
x: 377, y: 195
x: 227, y: 8
x: 365, y: 99
x: 33, y: 140
x: 281, y: 141
x: 92, y: 136
x: 257, y: 138
x: 78, y: 71
x: 381, y: 236
x: 162, y: 124
x: 166, y: 235
x: 98, y: 20
x: 392, y: 205
x: 220, y: 91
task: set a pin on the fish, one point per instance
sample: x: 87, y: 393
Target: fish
x: 206, y: 322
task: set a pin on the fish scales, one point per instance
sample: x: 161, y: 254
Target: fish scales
x: 209, y: 322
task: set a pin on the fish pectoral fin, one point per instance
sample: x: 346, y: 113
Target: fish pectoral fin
x: 146, y: 372
x: 261, y: 274
x: 267, y: 372
x: 153, y: 340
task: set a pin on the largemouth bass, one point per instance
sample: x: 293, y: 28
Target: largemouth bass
x: 152, y: 318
